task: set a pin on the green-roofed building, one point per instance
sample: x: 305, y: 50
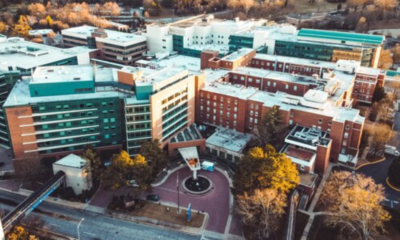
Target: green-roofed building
x: 332, y: 46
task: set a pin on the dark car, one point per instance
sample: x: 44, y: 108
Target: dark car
x: 1, y: 164
x: 153, y: 197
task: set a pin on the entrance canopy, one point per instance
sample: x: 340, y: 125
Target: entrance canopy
x: 191, y: 157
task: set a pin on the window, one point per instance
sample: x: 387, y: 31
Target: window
x: 347, y: 127
x: 105, y: 120
x: 251, y: 113
x: 257, y: 80
x: 346, y: 135
x: 287, y: 86
x: 344, y: 143
x: 255, y: 120
x: 250, y: 80
x: 242, y: 78
x: 295, y: 88
x: 320, y: 121
x: 291, y: 114
x: 274, y: 84
x: 251, y: 119
x: 234, y: 115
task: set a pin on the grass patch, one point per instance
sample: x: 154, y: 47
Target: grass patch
x: 159, y: 212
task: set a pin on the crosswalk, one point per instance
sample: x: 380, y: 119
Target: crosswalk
x: 390, y: 203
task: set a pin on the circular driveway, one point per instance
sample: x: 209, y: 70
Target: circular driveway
x: 215, y: 202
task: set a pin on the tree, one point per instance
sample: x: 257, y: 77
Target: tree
x: 49, y: 20
x: 29, y: 169
x: 19, y: 233
x: 386, y: 59
x: 246, y: 5
x: 379, y: 94
x: 386, y: 5
x: 96, y: 168
x: 394, y: 88
x: 37, y: 9
x: 393, y: 172
x: 21, y: 28
x: 154, y: 156
x: 112, y: 8
x: 269, y: 128
x: 353, y: 204
x: 356, y: 3
x: 123, y: 169
x: 381, y: 134
x: 3, y: 27
x: 262, y: 210
x: 364, y: 139
x: 263, y: 168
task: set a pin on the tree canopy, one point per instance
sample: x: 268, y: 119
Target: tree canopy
x: 19, y: 233
x: 263, y: 168
x: 262, y: 210
x: 123, y: 169
x: 269, y: 128
x: 154, y: 155
x: 96, y: 168
x: 353, y: 204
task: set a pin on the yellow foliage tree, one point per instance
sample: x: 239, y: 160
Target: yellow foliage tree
x: 3, y: 27
x: 123, y: 169
x: 19, y: 233
x: 49, y: 20
x: 263, y: 168
x: 353, y: 203
x: 21, y: 28
x: 386, y: 59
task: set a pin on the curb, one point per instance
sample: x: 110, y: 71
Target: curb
x: 370, y: 163
x: 391, y: 186
x: 166, y: 176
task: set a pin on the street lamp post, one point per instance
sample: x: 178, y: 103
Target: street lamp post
x: 77, y: 228
x: 177, y: 188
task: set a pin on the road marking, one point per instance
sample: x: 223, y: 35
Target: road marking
x: 166, y: 189
x: 90, y: 234
x: 397, y: 202
x: 387, y: 200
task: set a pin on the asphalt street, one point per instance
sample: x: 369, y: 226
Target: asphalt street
x: 65, y: 220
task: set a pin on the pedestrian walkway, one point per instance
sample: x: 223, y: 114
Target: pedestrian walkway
x: 314, y: 203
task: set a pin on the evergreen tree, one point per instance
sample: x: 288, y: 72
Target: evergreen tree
x: 270, y: 127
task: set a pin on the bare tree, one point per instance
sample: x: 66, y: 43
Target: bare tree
x: 381, y: 134
x: 29, y: 169
x: 353, y: 204
x: 246, y: 5
x: 262, y: 210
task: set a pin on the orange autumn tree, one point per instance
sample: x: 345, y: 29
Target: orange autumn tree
x: 123, y: 169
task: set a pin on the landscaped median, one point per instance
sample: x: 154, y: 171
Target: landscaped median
x: 391, y: 185
x: 165, y: 216
x: 370, y: 163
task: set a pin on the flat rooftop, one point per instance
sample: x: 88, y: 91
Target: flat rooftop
x: 221, y: 48
x: 190, y: 63
x: 236, y: 91
x: 55, y: 74
x: 368, y: 71
x: 298, y: 153
x: 229, y: 139
x: 342, y: 36
x: 160, y: 75
x: 294, y: 60
x: 20, y: 95
x: 238, y: 54
x: 307, y: 136
x: 71, y: 160
x: 28, y: 55
x: 86, y: 31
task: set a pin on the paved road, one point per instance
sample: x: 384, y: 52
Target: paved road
x: 379, y: 171
x: 97, y: 226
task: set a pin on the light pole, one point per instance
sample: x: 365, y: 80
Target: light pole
x: 177, y: 187
x: 77, y: 228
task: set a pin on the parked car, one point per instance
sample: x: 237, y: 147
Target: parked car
x: 153, y: 197
x: 1, y: 164
x: 391, y: 150
x: 133, y: 183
